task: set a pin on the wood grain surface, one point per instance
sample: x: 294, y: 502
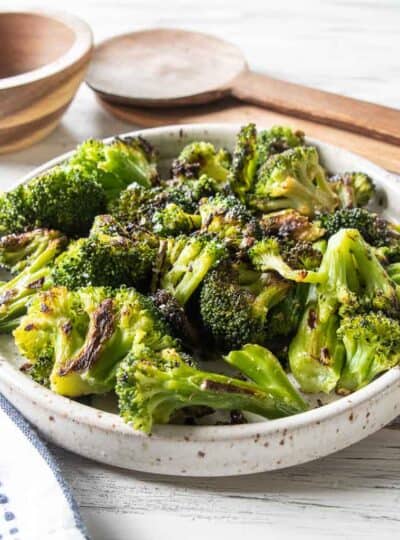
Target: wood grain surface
x: 341, y: 46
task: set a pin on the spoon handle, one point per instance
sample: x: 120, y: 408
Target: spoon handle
x: 376, y: 121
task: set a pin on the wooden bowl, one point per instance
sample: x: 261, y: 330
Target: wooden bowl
x: 43, y: 60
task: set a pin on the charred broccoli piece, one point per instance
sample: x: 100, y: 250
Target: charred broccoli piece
x: 284, y: 318
x: 244, y: 163
x: 16, y: 213
x: 225, y: 217
x: 263, y: 368
x: 316, y: 355
x: 296, y: 262
x: 31, y: 254
x: 117, y: 164
x: 188, y: 194
x: 371, y: 342
x: 151, y: 386
x: 353, y: 189
x: 276, y: 140
x: 235, y: 301
x: 186, y: 261
x: 173, y: 221
x: 291, y: 225
x: 110, y: 256
x: 201, y: 158
x: 293, y: 179
x: 86, y: 333
x: 375, y: 229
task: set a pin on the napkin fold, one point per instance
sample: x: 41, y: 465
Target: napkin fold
x: 35, y: 501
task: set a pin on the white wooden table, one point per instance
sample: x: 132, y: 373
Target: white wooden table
x: 349, y: 47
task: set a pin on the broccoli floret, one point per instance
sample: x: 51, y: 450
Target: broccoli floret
x: 316, y: 355
x: 228, y: 219
x: 186, y: 262
x: 31, y: 254
x: 293, y: 179
x: 189, y: 193
x: 117, y: 164
x: 152, y: 386
x: 375, y: 229
x: 234, y: 304
x: 130, y: 204
x: 354, y: 189
x: 110, y: 256
x: 276, y: 140
x: 173, y: 220
x: 372, y: 346
x: 262, y: 367
x: 15, y: 211
x: 292, y: 261
x: 87, y: 333
x: 198, y: 158
x: 291, y: 225
x: 284, y: 318
x: 244, y: 163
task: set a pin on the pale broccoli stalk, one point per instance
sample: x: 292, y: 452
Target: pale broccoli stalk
x: 372, y: 346
x: 262, y: 367
x: 152, y: 386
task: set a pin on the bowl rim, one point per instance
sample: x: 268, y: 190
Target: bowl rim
x: 106, y: 421
x: 82, y: 44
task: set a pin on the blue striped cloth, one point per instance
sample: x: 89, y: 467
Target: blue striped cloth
x: 35, y: 501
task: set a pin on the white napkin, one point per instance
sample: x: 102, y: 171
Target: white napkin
x: 35, y: 502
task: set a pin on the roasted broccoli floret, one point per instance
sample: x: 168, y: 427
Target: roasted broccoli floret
x: 235, y: 301
x: 316, y: 355
x: 110, y: 256
x: 262, y: 367
x: 293, y: 179
x: 244, y: 163
x: 16, y: 213
x: 198, y: 158
x: 188, y: 194
x: 117, y: 164
x: 292, y: 261
x: 375, y: 229
x: 291, y: 225
x: 186, y: 261
x: 87, y: 333
x: 151, y: 386
x: 225, y: 217
x: 284, y: 318
x: 31, y: 254
x: 372, y: 346
x: 173, y: 220
x: 276, y: 140
x: 354, y: 189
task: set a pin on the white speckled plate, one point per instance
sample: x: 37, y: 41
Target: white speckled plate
x: 212, y: 450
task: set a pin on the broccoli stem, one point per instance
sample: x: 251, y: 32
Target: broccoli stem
x: 260, y: 365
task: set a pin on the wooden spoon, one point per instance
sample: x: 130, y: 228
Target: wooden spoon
x: 169, y: 67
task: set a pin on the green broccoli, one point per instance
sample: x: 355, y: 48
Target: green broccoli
x: 31, y: 254
x: 87, y: 332
x: 235, y: 301
x: 15, y: 211
x: 188, y: 194
x: 117, y: 164
x: 276, y: 140
x: 293, y: 179
x: 228, y: 219
x: 372, y: 346
x: 263, y: 368
x: 245, y: 162
x: 152, y: 386
x: 173, y: 220
x: 111, y: 256
x: 316, y: 355
x: 353, y: 189
x: 199, y: 158
x: 284, y: 318
x: 291, y: 225
x: 186, y: 262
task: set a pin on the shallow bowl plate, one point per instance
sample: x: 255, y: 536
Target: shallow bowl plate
x: 212, y: 450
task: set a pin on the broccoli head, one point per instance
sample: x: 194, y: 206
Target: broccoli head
x: 291, y: 225
x: 284, y: 318
x: 199, y: 158
x: 293, y: 179
x: 371, y: 342
x: 111, y: 256
x: 235, y: 301
x: 31, y: 254
x: 353, y: 189
x: 152, y: 386
x: 117, y: 164
x: 189, y: 193
x: 276, y: 140
x: 244, y: 163
x: 173, y: 220
x: 16, y: 213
